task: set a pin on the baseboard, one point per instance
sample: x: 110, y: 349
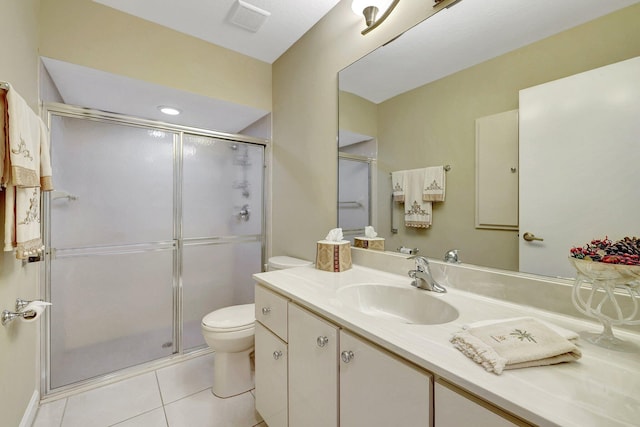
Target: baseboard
x: 32, y: 409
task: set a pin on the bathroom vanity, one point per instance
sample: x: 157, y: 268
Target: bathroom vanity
x: 323, y: 358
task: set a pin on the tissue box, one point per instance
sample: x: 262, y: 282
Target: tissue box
x: 333, y: 256
x: 375, y: 243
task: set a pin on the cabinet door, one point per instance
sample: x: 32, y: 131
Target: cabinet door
x: 455, y: 408
x: 379, y: 389
x: 271, y: 377
x: 313, y: 370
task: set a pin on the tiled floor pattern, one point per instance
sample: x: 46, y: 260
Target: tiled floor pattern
x: 175, y: 396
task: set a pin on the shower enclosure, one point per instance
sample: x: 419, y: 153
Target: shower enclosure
x: 354, y: 194
x: 151, y: 227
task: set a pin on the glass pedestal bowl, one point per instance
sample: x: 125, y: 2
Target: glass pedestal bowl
x: 596, y: 293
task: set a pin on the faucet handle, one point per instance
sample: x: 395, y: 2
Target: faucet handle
x: 452, y: 256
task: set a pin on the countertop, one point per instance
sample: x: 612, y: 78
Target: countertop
x: 600, y: 389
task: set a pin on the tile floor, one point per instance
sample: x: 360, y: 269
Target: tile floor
x: 174, y: 396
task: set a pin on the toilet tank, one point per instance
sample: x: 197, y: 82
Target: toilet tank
x: 282, y: 262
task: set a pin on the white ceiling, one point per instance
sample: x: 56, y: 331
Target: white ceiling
x: 209, y: 21
x: 467, y: 34
x: 87, y: 87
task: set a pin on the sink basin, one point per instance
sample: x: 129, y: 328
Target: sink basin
x: 402, y: 305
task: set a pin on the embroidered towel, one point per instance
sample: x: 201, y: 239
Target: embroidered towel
x: 25, y: 168
x: 434, y: 184
x: 397, y: 185
x: 417, y: 212
x: 514, y: 343
x: 22, y: 223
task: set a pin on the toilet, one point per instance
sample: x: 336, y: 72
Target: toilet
x: 229, y: 332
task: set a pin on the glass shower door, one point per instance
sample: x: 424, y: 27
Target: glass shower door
x: 111, y: 271
x: 222, y: 199
x: 354, y: 196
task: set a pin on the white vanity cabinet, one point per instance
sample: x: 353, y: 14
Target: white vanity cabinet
x: 454, y: 407
x: 271, y: 357
x: 380, y: 389
x: 313, y: 370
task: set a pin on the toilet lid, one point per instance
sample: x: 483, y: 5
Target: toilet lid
x: 283, y: 262
x: 234, y: 317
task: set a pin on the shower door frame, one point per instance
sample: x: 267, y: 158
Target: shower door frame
x: 177, y: 243
x: 372, y: 190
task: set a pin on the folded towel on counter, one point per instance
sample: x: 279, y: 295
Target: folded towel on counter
x: 514, y: 343
x: 397, y: 185
x: 417, y: 212
x: 434, y: 184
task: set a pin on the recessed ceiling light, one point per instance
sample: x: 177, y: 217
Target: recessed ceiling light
x: 171, y: 111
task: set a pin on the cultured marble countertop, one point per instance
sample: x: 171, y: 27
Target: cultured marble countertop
x: 600, y: 389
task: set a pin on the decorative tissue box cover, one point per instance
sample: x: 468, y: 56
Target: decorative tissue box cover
x: 376, y: 243
x: 333, y: 256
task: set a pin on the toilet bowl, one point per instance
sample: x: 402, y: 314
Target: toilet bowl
x: 229, y: 332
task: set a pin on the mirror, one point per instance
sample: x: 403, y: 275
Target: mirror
x: 414, y: 103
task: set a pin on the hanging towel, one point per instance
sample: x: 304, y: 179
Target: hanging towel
x: 22, y: 222
x: 398, y: 184
x: 514, y: 343
x: 26, y: 171
x: 25, y: 136
x: 417, y: 212
x: 434, y: 184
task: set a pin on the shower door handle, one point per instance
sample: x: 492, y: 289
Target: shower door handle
x: 244, y: 213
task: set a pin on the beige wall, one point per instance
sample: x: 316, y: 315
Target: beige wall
x: 436, y: 125
x: 18, y: 341
x: 305, y: 121
x: 357, y: 114
x: 87, y: 33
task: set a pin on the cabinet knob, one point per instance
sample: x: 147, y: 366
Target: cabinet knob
x: 347, y: 356
x: 322, y: 341
x: 266, y: 310
x: 277, y: 354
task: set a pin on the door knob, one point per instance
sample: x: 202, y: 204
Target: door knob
x: 277, y: 354
x: 322, y: 341
x: 530, y: 237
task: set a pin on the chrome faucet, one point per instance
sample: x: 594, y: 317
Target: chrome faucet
x: 422, y: 278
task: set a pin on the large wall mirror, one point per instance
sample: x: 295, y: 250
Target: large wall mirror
x: 420, y: 100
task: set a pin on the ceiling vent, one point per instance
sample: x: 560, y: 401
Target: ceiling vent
x: 248, y: 16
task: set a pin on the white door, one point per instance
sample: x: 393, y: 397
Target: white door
x: 579, y: 157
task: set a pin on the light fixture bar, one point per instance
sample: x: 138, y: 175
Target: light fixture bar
x: 379, y: 21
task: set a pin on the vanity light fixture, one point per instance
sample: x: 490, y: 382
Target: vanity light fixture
x: 170, y: 111
x: 371, y: 9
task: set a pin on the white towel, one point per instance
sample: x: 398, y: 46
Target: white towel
x: 417, y: 212
x: 434, y: 184
x: 22, y: 143
x: 22, y: 225
x: 514, y: 343
x: 397, y: 185
x: 25, y: 171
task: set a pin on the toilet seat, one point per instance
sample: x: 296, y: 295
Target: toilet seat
x: 230, y: 319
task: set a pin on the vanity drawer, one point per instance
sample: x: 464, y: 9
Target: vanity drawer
x: 271, y: 311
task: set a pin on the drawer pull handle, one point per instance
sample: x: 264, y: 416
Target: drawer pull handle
x: 277, y: 354
x: 347, y: 356
x: 266, y: 310
x: 322, y: 341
